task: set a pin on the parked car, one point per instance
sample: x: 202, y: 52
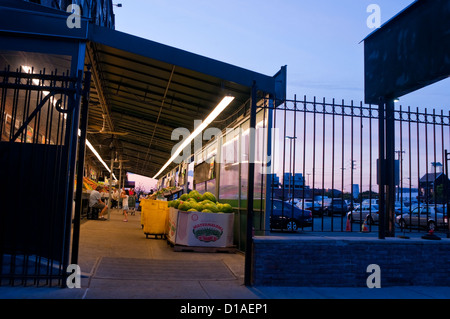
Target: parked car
x: 402, y: 209
x: 289, y: 217
x: 338, y: 206
x: 293, y: 201
x: 323, y: 200
x: 430, y: 217
x: 353, y: 205
x: 314, y: 206
x: 364, y: 212
x: 373, y: 201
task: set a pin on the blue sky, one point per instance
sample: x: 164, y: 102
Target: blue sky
x: 319, y: 41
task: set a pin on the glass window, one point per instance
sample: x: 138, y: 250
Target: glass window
x: 200, y: 188
x: 211, y: 186
x: 229, y: 168
x: 260, y: 159
x: 244, y: 157
x: 190, y: 177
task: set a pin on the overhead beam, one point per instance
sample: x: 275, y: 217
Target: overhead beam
x: 98, y: 82
x: 196, y: 83
x: 169, y: 81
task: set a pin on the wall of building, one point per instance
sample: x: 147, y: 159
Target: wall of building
x: 304, y: 261
x: 101, y: 12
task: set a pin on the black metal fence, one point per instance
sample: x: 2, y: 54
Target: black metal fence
x: 324, y: 161
x: 39, y: 117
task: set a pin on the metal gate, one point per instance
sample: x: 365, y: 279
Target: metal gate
x: 39, y: 117
x: 324, y: 159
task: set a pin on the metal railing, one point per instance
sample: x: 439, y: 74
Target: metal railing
x: 324, y: 160
x: 39, y: 117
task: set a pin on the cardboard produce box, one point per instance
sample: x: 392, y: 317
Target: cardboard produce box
x: 200, y: 229
x: 172, y: 225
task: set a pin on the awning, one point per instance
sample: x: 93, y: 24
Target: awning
x: 147, y: 90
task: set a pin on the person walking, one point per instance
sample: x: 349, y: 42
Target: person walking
x: 115, y: 199
x: 125, y: 208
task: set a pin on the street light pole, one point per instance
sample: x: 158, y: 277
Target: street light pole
x: 290, y: 166
x: 400, y: 159
x: 446, y: 192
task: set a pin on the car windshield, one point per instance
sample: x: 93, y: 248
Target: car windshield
x: 423, y: 210
x: 369, y: 207
x: 279, y: 205
x: 304, y: 203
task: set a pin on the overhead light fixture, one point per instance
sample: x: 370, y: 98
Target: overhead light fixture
x: 89, y: 145
x: 217, y: 110
x: 28, y: 69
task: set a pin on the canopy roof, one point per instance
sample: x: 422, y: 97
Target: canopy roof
x: 143, y: 90
x: 148, y: 89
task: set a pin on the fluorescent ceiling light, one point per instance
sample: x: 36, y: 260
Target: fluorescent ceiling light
x: 28, y: 69
x: 97, y: 155
x: 219, y: 108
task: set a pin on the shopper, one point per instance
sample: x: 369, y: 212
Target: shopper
x: 124, y: 197
x: 95, y: 201
x: 105, y: 195
x: 115, y: 198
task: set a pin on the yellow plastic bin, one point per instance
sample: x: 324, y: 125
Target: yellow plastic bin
x: 142, y: 213
x: 154, y: 217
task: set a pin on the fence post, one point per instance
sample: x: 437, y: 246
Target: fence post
x: 80, y: 166
x: 250, y: 191
x: 446, y: 210
x: 390, y: 169
x: 381, y: 171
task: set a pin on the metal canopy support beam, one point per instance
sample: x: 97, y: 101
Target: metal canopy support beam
x: 386, y: 168
x: 80, y: 167
x: 381, y: 171
x: 99, y: 85
x: 250, y: 191
x: 110, y: 184
x: 169, y: 81
x: 390, y: 169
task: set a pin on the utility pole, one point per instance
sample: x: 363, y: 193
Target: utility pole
x: 446, y: 185
x: 400, y: 159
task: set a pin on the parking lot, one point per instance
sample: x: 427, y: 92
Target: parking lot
x: 364, y: 218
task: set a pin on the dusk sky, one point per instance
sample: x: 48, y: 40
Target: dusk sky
x: 319, y: 41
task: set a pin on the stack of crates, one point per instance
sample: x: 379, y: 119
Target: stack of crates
x: 154, y: 217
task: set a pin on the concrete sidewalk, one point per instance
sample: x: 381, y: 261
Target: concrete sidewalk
x: 117, y: 261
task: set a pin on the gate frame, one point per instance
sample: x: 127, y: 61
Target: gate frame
x: 75, y: 49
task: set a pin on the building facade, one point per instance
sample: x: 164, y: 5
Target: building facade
x: 99, y: 11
